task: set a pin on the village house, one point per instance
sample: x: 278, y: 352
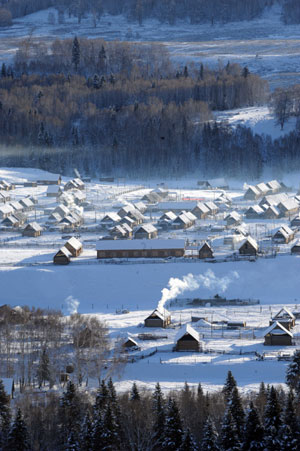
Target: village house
x: 295, y: 222
x: 54, y: 218
x: 271, y: 212
x: 166, y: 219
x: 254, y: 212
x: 130, y: 343
x: 205, y: 251
x: 140, y: 206
x: 118, y: 232
x: 62, y: 257
x: 10, y: 221
x: 17, y: 207
x: 288, y: 207
x: 158, y: 248
x: 62, y: 210
x: 223, y: 200
x: 20, y: 217
x: 296, y: 248
x: 201, y: 210
x: 110, y: 220
x: 32, y: 229
x: 79, y: 184
x: 4, y: 197
x: 53, y: 190
x: 213, y: 208
x: 162, y: 191
x: 6, y: 186
x: 283, y: 235
x: 177, y: 207
x: 233, y: 219
x: 182, y: 221
x: 27, y: 204
x: 5, y: 211
x: 285, y: 318
x: 152, y: 198
x: 158, y: 318
x: 274, y: 186
x: 187, y: 339
x: 277, y: 335
x: 273, y: 199
x: 74, y: 246
x: 128, y: 230
x: 252, y: 193
x: 249, y: 247
x: 70, y: 185
x: 137, y: 216
x: 125, y: 210
x: 51, y: 179
x: 262, y: 188
x: 129, y: 221
x: 79, y: 197
x: 146, y: 231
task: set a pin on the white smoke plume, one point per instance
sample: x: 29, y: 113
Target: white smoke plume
x: 192, y: 282
x: 72, y: 304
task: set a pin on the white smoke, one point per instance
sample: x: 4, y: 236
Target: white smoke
x: 192, y: 282
x: 72, y: 304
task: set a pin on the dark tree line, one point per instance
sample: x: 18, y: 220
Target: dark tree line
x: 185, y: 420
x: 291, y: 12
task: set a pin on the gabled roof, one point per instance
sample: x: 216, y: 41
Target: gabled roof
x: 202, y: 207
x: 289, y: 204
x: 62, y: 208
x: 251, y: 241
x: 254, y: 190
x: 148, y: 228
x: 283, y: 313
x: 111, y: 217
x: 205, y: 244
x: 277, y: 329
x: 256, y: 209
x: 33, y: 226
x: 284, y: 231
x: 168, y: 215
x: 234, y: 215
x: 274, y: 199
x: 272, y: 209
x: 211, y: 205
x: 131, y: 340
x: 262, y: 187
x: 274, y: 184
x: 16, y: 205
x: 6, y: 209
x: 187, y: 330
x: 63, y: 250
x: 74, y: 243
x: 155, y: 244
x: 161, y: 313
x: 27, y: 202
x: 53, y: 189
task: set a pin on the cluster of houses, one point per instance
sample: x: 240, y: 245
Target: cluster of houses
x: 262, y: 189
x: 65, y: 218
x: 13, y: 214
x: 274, y: 206
x: 279, y: 332
x: 72, y: 248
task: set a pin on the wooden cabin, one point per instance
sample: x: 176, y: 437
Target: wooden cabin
x: 130, y: 343
x: 158, y: 248
x: 288, y: 207
x: 295, y: 222
x: 254, y: 212
x: 110, y: 219
x: 158, y: 318
x: 252, y: 193
x: 33, y: 229
x: 285, y: 318
x: 10, y: 221
x: 201, y: 210
x: 271, y: 212
x: 274, y: 186
x: 249, y: 247
x: 27, y: 204
x: 283, y: 235
x: 146, y: 231
x: 62, y: 257
x: 50, y: 180
x: 182, y: 221
x: 277, y: 335
x: 262, y: 188
x: 233, y: 219
x: 74, y: 246
x: 205, y: 251
x: 188, y: 340
x: 5, y: 211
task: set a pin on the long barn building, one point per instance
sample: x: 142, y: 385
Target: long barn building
x: 156, y: 248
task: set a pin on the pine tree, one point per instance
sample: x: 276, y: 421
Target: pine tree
x: 237, y: 411
x: 245, y: 72
x: 110, y: 437
x: 229, y: 385
x: 86, y: 434
x: 201, y: 73
x: 102, y: 60
x: 229, y: 439
x: 96, y: 81
x: 75, y: 53
x: 5, y: 416
x: 185, y: 72
x: 210, y: 436
x: 188, y: 443
x: 102, y: 398
x: 41, y: 134
x: 289, y: 431
x: 114, y: 405
x: 159, y: 417
x: 272, y: 421
x: 18, y: 436
x: 173, y: 428
x: 43, y: 371
x: 293, y: 371
x: 254, y: 433
x: 135, y: 395
x: 97, y: 433
x: 69, y: 413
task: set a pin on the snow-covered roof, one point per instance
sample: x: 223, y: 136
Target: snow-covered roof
x: 211, y: 205
x: 272, y: 209
x: 202, y: 207
x: 274, y: 184
x: 103, y: 245
x: 234, y: 215
x: 148, y: 228
x: 273, y: 199
x: 254, y: 190
x: 277, y: 329
x: 26, y: 202
x: 111, y: 217
x: 168, y: 215
x: 251, y: 241
x: 177, y: 206
x: 256, y: 209
x: 285, y: 231
x: 6, y: 209
x: 284, y: 312
x: 65, y: 252
x: 262, y: 187
x: 182, y: 218
x: 288, y: 204
x: 62, y: 208
x: 76, y: 244
x: 187, y: 330
x: 34, y: 226
x: 161, y: 313
x: 53, y: 189
x: 16, y: 205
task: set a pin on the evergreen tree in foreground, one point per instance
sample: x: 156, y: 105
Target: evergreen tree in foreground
x: 159, y: 417
x: 293, y: 372
x: 188, y: 443
x: 229, y: 439
x: 272, y: 421
x: 254, y: 433
x: 229, y: 385
x: 135, y: 395
x: 5, y: 416
x: 18, y: 437
x: 237, y: 411
x: 173, y: 428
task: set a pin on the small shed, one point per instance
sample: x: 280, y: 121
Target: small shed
x: 62, y: 257
x: 32, y: 229
x: 188, y: 339
x: 130, y: 343
x: 205, y: 251
x: 74, y: 246
x: 158, y: 318
x: 147, y: 231
x: 249, y: 247
x: 277, y: 335
x: 53, y: 190
x: 233, y: 219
